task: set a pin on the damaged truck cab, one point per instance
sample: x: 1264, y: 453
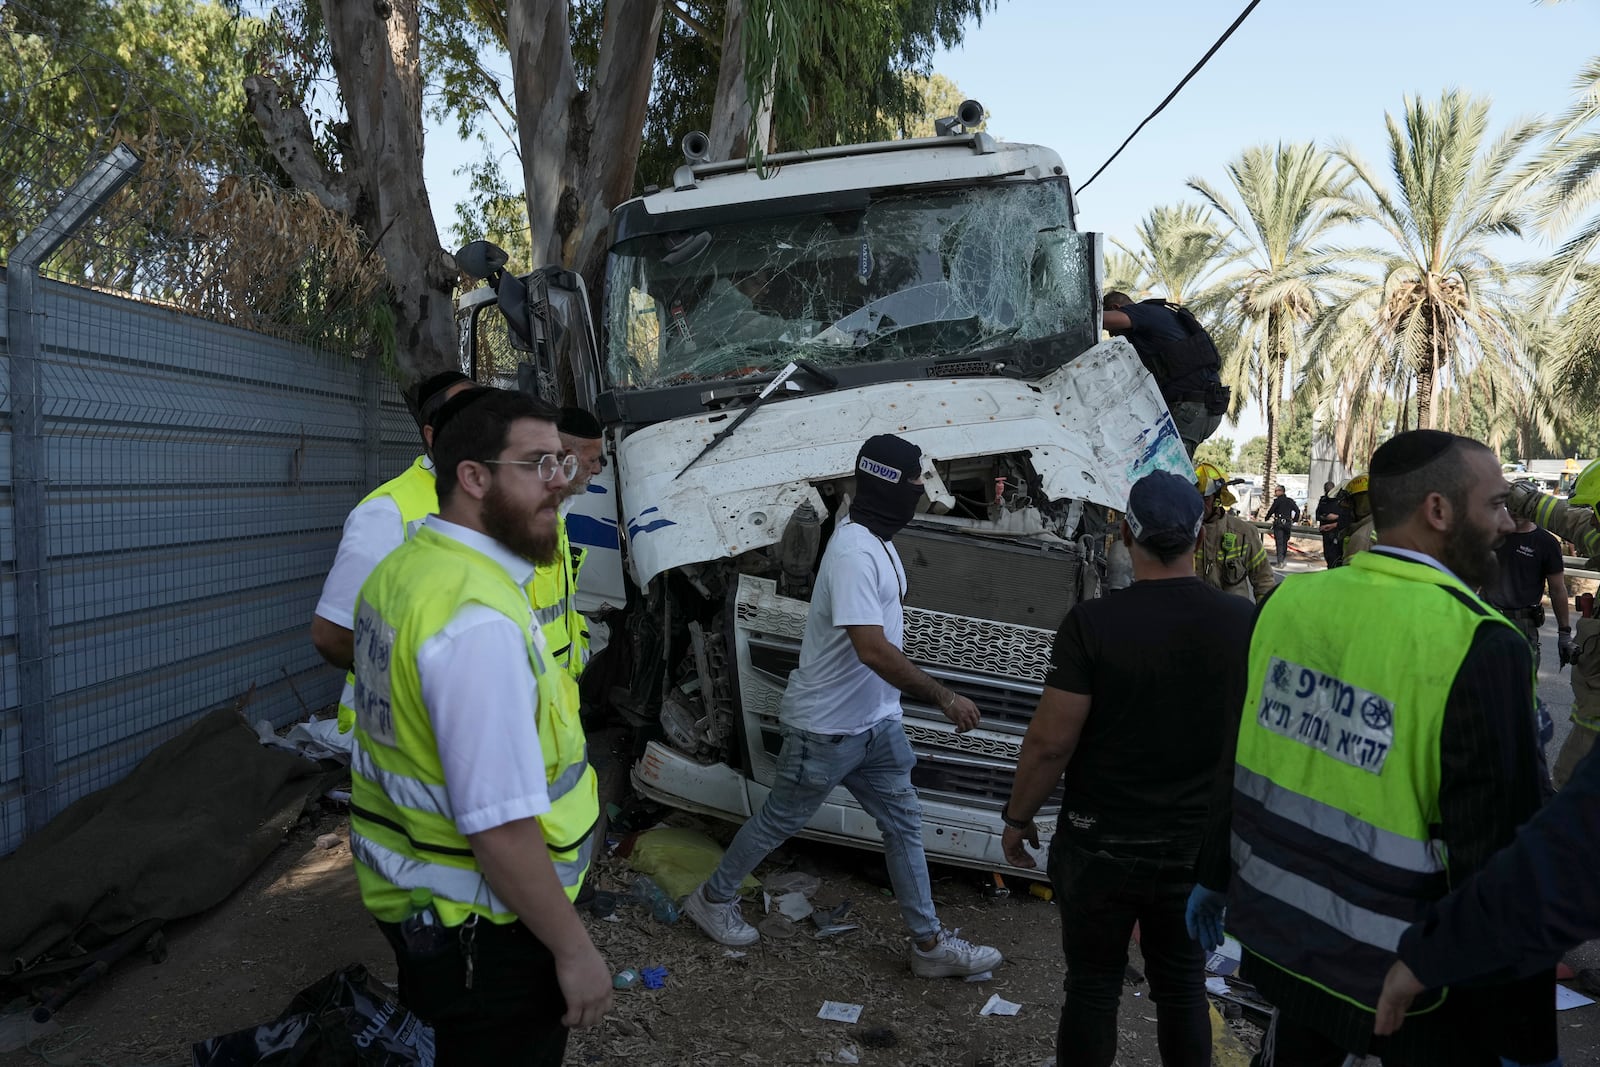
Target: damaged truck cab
x: 935, y: 288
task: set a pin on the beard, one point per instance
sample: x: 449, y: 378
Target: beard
x: 531, y: 533
x: 1469, y: 554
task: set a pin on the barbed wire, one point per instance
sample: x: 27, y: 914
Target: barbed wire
x: 207, y: 225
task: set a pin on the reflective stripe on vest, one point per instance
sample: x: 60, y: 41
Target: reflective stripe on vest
x: 552, y: 591
x: 400, y: 806
x: 1336, y: 786
x: 1393, y: 849
x: 416, y: 496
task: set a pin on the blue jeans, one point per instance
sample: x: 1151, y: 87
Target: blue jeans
x: 876, y: 767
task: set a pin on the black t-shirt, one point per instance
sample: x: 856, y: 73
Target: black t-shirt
x: 1526, y: 560
x: 1164, y: 665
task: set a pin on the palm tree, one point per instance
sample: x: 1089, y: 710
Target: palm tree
x: 1438, y: 302
x: 1289, y: 200
x: 1124, y: 273
x: 1180, y: 249
x: 1566, y: 177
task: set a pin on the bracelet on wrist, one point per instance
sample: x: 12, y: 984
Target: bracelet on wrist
x: 1015, y: 824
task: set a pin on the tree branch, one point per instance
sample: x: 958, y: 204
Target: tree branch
x: 288, y: 134
x: 680, y: 11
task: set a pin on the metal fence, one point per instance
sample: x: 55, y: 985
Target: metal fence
x: 190, y: 484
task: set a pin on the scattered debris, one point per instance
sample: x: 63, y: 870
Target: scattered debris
x: 832, y: 922
x: 792, y: 882
x: 777, y: 926
x: 984, y: 977
x: 1041, y: 890
x: 625, y: 979
x: 1566, y: 999
x: 654, y: 977
x: 733, y: 954
x: 793, y: 906
x: 878, y: 1037
x: 836, y: 1012
x: 848, y: 1054
x: 1216, y: 985
x: 678, y: 859
x: 995, y: 888
x: 326, y: 841
x: 998, y: 1005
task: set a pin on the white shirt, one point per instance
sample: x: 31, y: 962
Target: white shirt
x: 372, y: 530
x: 860, y: 583
x: 482, y: 700
x: 1413, y: 555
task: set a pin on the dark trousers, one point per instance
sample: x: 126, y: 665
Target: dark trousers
x: 511, y: 1015
x: 1101, y: 897
x: 1280, y: 541
x: 1332, y: 550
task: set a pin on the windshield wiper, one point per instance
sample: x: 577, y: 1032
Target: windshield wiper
x: 761, y: 398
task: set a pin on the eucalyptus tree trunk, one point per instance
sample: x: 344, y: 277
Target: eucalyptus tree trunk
x: 579, y: 147
x: 380, y: 190
x: 730, y: 112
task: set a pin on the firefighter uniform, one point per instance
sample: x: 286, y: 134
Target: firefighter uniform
x: 1577, y: 521
x: 1231, y: 556
x: 1360, y: 535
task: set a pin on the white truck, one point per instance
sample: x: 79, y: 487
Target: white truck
x: 935, y: 288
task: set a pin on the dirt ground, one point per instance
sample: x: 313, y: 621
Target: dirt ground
x: 300, y: 917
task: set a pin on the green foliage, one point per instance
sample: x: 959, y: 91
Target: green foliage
x: 1252, y: 455
x: 1217, y: 451
x: 936, y: 97
x: 1180, y: 250
x: 1294, y: 441
x: 835, y: 69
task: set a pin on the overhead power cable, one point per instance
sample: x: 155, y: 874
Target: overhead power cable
x: 1161, y: 106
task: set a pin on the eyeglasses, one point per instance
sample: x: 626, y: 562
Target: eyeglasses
x: 546, y: 465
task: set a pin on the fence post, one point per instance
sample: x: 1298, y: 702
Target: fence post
x: 29, y: 475
x: 371, y: 422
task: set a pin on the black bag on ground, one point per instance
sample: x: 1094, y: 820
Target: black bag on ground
x: 345, y: 1019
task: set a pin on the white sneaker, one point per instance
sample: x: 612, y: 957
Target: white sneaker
x: 722, y: 923
x: 953, y: 957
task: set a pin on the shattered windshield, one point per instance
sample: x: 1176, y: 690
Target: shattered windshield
x: 912, y: 276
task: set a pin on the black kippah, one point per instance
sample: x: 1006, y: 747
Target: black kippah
x: 455, y: 405
x: 1410, y: 451
x: 576, y: 422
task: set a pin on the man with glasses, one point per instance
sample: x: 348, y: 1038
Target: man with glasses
x: 473, y: 807
x: 383, y: 521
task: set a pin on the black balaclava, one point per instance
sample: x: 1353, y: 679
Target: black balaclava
x: 887, y: 470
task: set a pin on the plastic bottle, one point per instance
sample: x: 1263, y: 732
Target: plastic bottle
x: 645, y: 891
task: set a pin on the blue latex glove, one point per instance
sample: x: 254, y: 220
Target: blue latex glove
x: 1204, y: 915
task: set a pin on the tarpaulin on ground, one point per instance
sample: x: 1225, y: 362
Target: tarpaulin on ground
x: 173, y: 838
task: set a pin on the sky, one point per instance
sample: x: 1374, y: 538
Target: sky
x: 1079, y: 77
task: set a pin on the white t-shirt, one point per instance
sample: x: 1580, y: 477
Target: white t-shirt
x: 860, y: 583
x: 482, y: 699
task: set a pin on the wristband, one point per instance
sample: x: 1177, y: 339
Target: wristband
x: 1015, y: 824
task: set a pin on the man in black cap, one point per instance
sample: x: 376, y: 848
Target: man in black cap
x: 841, y: 720
x: 1135, y: 710
x: 1386, y: 750
x: 383, y: 521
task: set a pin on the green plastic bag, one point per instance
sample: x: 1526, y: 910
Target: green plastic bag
x: 679, y: 860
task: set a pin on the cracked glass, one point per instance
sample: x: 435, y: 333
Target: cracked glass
x: 930, y: 274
